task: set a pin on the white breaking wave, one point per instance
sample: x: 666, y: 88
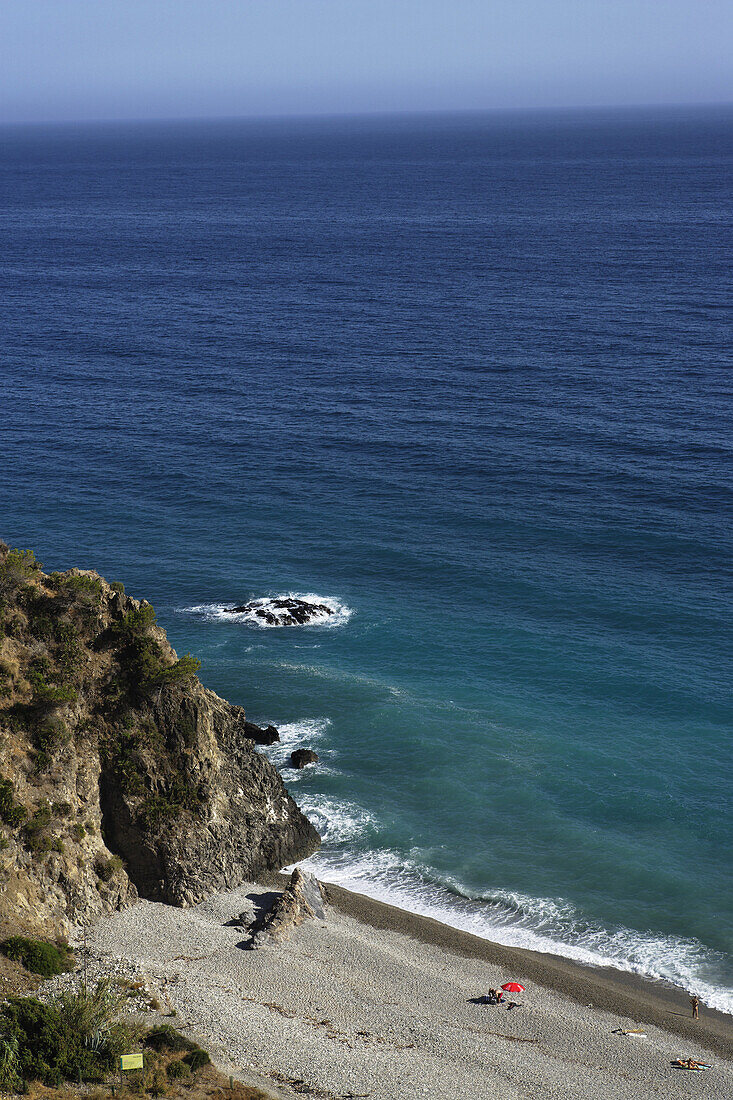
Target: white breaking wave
x: 303, y: 734
x: 336, y: 820
x: 548, y: 925
x: 338, y: 614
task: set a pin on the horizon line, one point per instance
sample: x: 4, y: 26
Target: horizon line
x: 593, y: 108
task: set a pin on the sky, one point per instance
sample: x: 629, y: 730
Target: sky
x: 96, y: 59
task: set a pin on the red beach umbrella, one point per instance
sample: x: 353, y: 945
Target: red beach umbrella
x: 513, y: 987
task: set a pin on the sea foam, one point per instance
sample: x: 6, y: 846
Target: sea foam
x: 547, y: 925
x: 306, y: 733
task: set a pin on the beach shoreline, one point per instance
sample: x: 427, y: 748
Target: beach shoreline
x: 617, y: 991
x: 378, y: 1002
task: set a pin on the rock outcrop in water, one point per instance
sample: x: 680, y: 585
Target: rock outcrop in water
x: 301, y: 758
x: 120, y: 774
x: 261, y: 736
x: 283, y: 611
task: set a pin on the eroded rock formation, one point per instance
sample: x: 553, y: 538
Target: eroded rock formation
x: 301, y: 900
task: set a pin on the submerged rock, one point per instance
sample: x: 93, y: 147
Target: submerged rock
x: 283, y: 611
x: 300, y: 758
x: 301, y: 900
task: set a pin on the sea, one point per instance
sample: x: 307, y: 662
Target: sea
x: 467, y: 380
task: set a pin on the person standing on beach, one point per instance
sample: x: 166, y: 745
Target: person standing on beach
x: 695, y: 1002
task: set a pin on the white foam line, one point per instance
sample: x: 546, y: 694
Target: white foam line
x: 550, y: 926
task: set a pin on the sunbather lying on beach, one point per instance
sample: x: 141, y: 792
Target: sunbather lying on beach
x: 690, y: 1063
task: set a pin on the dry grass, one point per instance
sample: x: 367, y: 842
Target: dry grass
x: 207, y: 1084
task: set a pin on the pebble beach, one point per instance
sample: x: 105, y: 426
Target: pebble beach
x: 375, y: 1002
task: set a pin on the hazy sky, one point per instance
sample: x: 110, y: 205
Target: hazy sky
x: 66, y: 59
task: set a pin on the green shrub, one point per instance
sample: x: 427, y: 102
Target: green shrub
x: 141, y: 659
x: 61, y: 809
x: 82, y: 586
x: 156, y: 810
x: 13, y: 625
x: 10, y: 1079
x: 35, y: 831
x: 16, y: 568
x: 11, y: 812
x: 107, y: 868
x: 184, y: 669
x: 49, y: 736
x: 118, y: 586
x: 187, y: 731
x: 154, y: 1076
x: 135, y: 623
x: 47, y: 696
x: 123, y: 751
x: 78, y: 831
x: 41, y: 626
x: 196, y: 1059
x: 77, y: 1034
x: 69, y: 653
x: 160, y: 808
x: 141, y: 655
x: 37, y: 956
x: 65, y: 631
x: 39, y: 667
x: 165, y: 1037
x: 178, y: 1069
x: 93, y: 1014
x: 80, y: 596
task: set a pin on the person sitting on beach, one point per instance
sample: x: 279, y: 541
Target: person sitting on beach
x: 491, y: 997
x: 500, y: 996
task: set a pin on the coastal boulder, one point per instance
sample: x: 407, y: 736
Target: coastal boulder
x: 301, y: 900
x: 300, y: 758
x: 283, y: 611
x: 261, y: 736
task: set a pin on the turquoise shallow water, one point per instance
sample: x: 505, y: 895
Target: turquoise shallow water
x: 468, y: 378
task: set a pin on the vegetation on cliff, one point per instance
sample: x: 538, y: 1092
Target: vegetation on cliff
x: 119, y: 772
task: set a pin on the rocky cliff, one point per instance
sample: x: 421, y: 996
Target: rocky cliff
x: 120, y: 774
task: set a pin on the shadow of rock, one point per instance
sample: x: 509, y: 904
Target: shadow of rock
x: 260, y: 905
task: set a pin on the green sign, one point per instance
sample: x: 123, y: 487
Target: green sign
x: 131, y: 1061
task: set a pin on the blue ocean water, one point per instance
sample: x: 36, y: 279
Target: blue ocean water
x: 468, y: 378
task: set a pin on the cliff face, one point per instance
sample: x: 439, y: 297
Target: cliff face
x: 120, y: 774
